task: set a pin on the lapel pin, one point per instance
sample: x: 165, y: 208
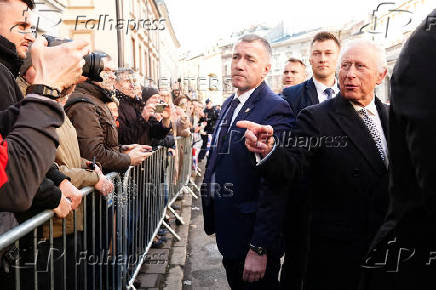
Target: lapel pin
x: 248, y: 110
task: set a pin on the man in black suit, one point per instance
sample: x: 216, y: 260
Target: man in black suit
x: 243, y: 210
x: 324, y: 52
x: 323, y: 85
x: 340, y: 146
x: 404, y: 251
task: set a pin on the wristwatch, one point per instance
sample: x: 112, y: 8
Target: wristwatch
x: 258, y: 250
x: 44, y: 90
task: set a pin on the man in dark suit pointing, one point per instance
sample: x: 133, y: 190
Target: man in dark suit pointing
x: 241, y: 208
x: 341, y: 149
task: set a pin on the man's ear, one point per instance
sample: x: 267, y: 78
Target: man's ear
x: 266, y: 71
x: 381, y: 76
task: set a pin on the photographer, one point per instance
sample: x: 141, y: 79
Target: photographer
x: 15, y: 39
x: 28, y: 128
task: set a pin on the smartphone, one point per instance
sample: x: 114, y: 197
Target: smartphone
x: 160, y: 107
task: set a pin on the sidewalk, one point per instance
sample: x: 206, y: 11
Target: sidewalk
x: 163, y: 268
x: 192, y: 263
x: 203, y: 269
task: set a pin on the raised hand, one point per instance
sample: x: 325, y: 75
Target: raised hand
x: 60, y: 66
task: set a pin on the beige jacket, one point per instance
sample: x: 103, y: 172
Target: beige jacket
x: 72, y: 165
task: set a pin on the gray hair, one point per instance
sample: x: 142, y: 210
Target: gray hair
x: 250, y: 38
x: 380, y: 52
x: 123, y: 70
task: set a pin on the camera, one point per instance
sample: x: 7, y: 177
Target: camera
x: 93, y: 62
x: 160, y: 107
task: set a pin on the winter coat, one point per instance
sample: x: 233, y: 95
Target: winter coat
x: 96, y: 130
x: 133, y: 128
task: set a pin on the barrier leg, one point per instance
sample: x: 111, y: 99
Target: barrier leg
x: 176, y: 215
x: 186, y: 188
x: 171, y: 231
x: 194, y: 185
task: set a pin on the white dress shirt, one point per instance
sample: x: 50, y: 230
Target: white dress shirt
x: 242, y: 99
x: 320, y: 88
x: 373, y: 114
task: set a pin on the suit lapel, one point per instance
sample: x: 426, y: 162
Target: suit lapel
x: 311, y: 92
x: 349, y: 121
x: 212, y: 156
x: 383, y: 112
x: 246, y: 109
x: 223, y: 111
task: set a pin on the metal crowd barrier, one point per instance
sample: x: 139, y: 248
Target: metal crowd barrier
x: 111, y: 235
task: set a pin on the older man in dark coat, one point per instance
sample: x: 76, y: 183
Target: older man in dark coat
x: 340, y: 147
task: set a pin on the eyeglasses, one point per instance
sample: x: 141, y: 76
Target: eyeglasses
x: 24, y: 29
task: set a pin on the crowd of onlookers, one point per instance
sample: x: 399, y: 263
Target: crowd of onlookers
x: 62, y: 130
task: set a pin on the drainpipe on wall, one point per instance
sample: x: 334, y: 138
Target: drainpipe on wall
x: 120, y: 38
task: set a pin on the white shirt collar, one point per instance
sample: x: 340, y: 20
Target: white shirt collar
x: 371, y: 108
x: 244, y: 97
x: 320, y: 87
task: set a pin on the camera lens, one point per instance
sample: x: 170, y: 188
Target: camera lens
x: 93, y: 62
x: 93, y: 66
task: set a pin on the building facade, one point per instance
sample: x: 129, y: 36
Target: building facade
x: 169, y: 57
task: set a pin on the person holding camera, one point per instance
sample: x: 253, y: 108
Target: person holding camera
x: 137, y: 112
x: 28, y: 128
x: 28, y: 139
x: 16, y: 36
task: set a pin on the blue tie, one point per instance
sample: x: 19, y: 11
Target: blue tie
x: 218, y: 142
x: 329, y: 92
x: 225, y: 124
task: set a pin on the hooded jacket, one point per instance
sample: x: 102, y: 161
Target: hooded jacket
x: 96, y: 130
